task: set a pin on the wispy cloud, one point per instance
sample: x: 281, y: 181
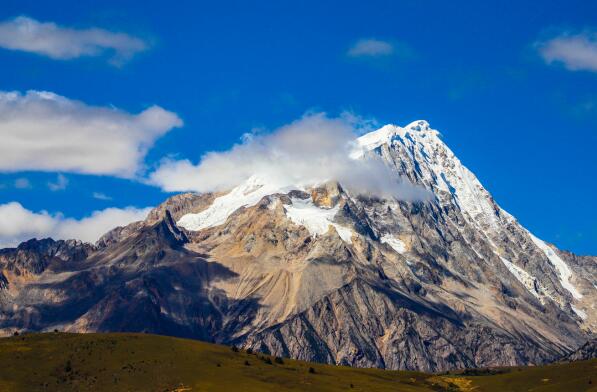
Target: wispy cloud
x: 47, y: 132
x: 575, y: 51
x: 18, y: 224
x: 306, y: 152
x: 64, y: 43
x: 22, y: 183
x: 101, y: 196
x: 371, y: 48
x: 60, y: 184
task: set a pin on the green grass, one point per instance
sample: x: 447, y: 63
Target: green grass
x: 576, y: 376
x: 139, y: 362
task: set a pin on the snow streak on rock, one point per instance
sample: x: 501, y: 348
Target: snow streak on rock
x: 562, y: 268
x: 315, y: 219
x: 245, y: 195
x: 394, y: 242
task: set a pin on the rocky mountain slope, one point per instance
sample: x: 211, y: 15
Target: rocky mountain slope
x: 585, y: 352
x: 323, y: 274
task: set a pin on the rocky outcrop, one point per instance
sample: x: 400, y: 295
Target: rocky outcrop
x: 362, y: 325
x: 34, y: 256
x: 180, y: 205
x: 585, y: 352
x: 176, y: 206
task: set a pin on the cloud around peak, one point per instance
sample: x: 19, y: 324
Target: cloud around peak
x: 575, y: 51
x: 48, y: 132
x: 63, y: 43
x: 306, y: 152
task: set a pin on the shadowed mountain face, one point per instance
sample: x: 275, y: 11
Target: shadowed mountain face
x: 585, y: 352
x: 323, y: 274
x: 146, y: 281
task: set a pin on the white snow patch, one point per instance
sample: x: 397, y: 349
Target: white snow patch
x: 528, y: 281
x: 581, y: 313
x: 394, y: 242
x: 315, y: 219
x: 562, y: 268
x: 372, y: 140
x: 523, y: 277
x: 245, y: 195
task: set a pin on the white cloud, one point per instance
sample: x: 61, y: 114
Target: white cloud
x: 371, y: 48
x: 23, y: 183
x: 309, y: 151
x: 47, y: 132
x: 576, y: 52
x: 62, y: 43
x: 100, y: 196
x: 59, y: 185
x: 19, y: 224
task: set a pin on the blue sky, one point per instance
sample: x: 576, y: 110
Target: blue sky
x: 527, y: 127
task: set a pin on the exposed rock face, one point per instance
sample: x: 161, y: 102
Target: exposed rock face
x: 326, y: 196
x: 146, y: 282
x: 323, y: 274
x: 180, y: 205
x: 585, y: 352
x: 34, y: 256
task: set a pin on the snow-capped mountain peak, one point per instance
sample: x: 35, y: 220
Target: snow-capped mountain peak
x: 419, y: 130
x: 417, y: 152
x: 313, y: 270
x: 421, y: 155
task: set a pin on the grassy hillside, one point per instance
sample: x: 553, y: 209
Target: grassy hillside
x: 138, y: 362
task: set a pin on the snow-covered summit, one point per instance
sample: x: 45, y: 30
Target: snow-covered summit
x: 419, y: 129
x: 419, y: 153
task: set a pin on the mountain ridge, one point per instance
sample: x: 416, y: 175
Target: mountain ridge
x: 320, y: 272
